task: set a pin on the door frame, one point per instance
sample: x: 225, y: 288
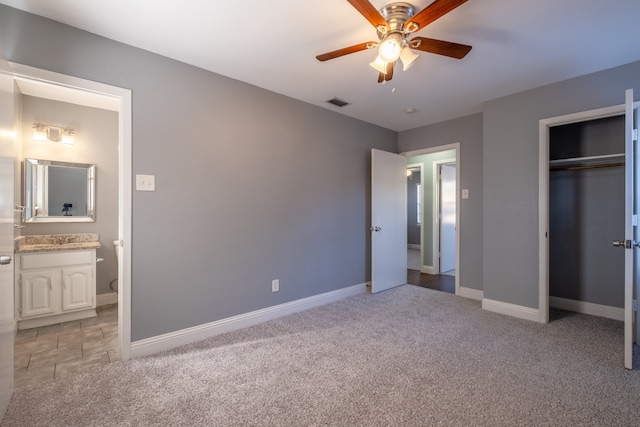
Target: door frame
x: 123, y: 97
x: 437, y: 212
x: 458, y: 159
x: 543, y: 193
x: 419, y: 166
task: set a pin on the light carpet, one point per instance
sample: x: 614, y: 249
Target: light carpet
x: 409, y: 356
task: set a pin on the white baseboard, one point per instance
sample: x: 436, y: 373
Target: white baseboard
x: 413, y: 246
x: 185, y: 336
x: 106, y: 299
x: 509, y: 309
x: 471, y: 293
x: 428, y: 269
x: 587, y: 308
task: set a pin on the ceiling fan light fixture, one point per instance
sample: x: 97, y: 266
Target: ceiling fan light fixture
x: 379, y: 64
x: 391, y: 47
x: 408, y: 57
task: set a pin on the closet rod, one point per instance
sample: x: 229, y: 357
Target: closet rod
x: 582, y: 167
x: 586, y: 158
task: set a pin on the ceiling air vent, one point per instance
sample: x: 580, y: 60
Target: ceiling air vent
x: 338, y: 102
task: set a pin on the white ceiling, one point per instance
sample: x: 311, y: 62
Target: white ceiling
x: 517, y: 45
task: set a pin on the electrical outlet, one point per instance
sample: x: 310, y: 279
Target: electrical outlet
x: 275, y: 285
x: 145, y: 182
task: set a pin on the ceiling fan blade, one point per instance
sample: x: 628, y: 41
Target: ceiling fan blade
x: 450, y: 49
x: 389, y: 74
x: 432, y: 12
x: 367, y: 10
x: 346, y: 51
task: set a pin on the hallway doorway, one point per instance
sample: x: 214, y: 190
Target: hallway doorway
x: 426, y: 236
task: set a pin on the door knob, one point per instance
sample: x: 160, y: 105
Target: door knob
x: 627, y: 244
x: 376, y: 229
x: 5, y: 259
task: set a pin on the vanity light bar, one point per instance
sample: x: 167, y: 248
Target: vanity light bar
x: 43, y: 132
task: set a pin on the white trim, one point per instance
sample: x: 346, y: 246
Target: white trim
x: 106, y: 299
x: 420, y: 246
x: 458, y: 159
x: 519, y: 311
x: 185, y: 336
x: 589, y: 308
x: 471, y: 293
x: 437, y: 224
x: 121, y: 96
x: 543, y: 194
x: 428, y: 269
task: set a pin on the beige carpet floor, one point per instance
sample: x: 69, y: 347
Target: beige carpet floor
x: 405, y: 357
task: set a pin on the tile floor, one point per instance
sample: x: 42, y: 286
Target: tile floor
x: 51, y: 352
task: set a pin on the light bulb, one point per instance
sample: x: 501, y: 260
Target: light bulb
x: 39, y: 135
x: 391, y: 48
x: 67, y: 139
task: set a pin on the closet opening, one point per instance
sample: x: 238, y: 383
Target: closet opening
x: 586, y: 214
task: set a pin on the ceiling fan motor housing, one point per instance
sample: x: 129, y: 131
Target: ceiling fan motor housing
x: 396, y: 14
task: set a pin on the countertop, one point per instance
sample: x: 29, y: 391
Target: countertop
x: 57, y: 242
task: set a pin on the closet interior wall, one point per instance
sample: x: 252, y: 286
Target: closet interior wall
x: 586, y: 211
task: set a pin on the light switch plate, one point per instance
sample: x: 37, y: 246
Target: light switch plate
x: 145, y: 183
x: 465, y: 193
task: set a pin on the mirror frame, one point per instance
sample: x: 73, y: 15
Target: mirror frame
x: 30, y: 196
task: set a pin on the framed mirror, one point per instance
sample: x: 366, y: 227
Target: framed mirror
x: 59, y: 191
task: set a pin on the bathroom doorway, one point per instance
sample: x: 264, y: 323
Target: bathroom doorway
x: 38, y: 90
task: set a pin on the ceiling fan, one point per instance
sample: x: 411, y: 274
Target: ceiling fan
x: 395, y: 23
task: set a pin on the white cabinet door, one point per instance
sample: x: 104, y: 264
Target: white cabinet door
x: 77, y: 288
x: 39, y: 290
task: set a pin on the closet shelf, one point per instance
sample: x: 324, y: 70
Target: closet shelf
x: 587, y: 162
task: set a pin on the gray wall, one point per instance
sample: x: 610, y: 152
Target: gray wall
x: 468, y: 132
x: 96, y: 142
x: 511, y: 174
x: 250, y: 185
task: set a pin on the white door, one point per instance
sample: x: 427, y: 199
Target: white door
x: 388, y: 220
x: 7, y: 321
x: 631, y: 233
x: 447, y: 217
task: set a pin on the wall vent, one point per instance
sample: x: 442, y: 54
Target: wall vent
x: 338, y: 102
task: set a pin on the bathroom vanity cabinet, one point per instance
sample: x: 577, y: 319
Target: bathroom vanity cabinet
x: 54, y: 287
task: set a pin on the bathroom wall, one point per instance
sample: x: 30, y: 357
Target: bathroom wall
x: 95, y: 142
